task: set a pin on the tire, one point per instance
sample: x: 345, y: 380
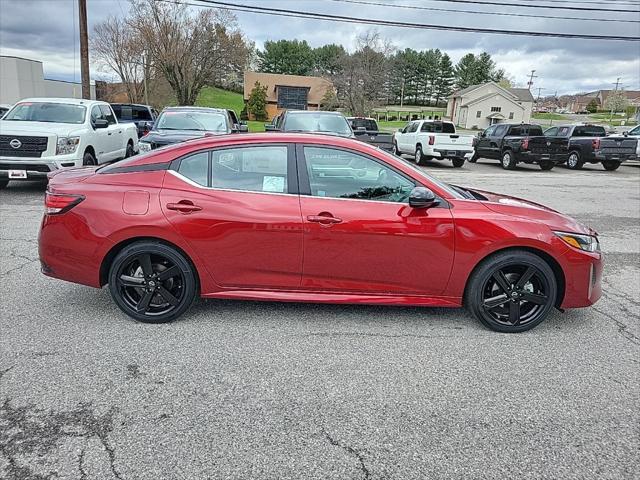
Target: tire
x: 508, y: 162
x: 88, y: 159
x: 138, y: 285
x: 457, y: 162
x: 547, y: 165
x: 419, y: 156
x: 396, y: 152
x: 610, y: 165
x: 129, y: 152
x: 474, y: 158
x: 573, y: 161
x: 498, y: 299
x: 3, y: 183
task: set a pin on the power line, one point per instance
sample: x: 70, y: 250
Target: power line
x: 389, y: 23
x: 556, y: 7
x: 435, y: 9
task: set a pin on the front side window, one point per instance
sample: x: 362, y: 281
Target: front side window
x: 47, y: 112
x: 342, y: 174
x: 500, y: 130
x: 108, y: 114
x: 552, y: 132
x: 635, y: 131
x: 413, y: 126
x: 489, y: 131
x: 292, y: 97
x: 96, y: 113
x: 253, y: 169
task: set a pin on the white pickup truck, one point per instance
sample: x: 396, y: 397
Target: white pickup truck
x: 433, y: 139
x: 40, y: 135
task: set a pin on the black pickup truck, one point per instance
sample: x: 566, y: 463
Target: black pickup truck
x: 366, y: 130
x: 144, y: 116
x: 590, y: 144
x: 520, y: 143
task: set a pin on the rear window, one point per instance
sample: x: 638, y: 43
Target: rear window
x: 131, y: 112
x: 589, y: 131
x: 438, y: 127
x: 367, y: 123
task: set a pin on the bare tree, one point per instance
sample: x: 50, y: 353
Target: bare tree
x: 190, y: 50
x: 118, y: 48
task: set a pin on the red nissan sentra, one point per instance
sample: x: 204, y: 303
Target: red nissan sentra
x: 309, y: 218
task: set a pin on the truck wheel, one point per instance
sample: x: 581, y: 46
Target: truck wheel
x: 129, y: 152
x: 508, y: 162
x: 3, y: 183
x: 396, y: 152
x: 88, y: 159
x: 457, y: 162
x: 610, y: 165
x: 419, y: 156
x: 546, y: 165
x: 573, y: 162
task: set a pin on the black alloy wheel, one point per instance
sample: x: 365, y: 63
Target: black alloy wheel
x: 152, y: 282
x: 512, y: 292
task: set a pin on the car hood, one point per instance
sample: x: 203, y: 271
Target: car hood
x: 518, y: 207
x: 17, y: 127
x: 166, y: 137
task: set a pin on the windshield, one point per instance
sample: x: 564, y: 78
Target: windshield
x: 444, y: 186
x: 47, y: 112
x: 203, y: 121
x: 317, y: 122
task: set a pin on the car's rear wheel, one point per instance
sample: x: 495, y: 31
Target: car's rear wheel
x: 508, y: 162
x: 3, y: 183
x: 152, y: 282
x: 511, y: 291
x: 573, y: 161
x: 457, y: 162
x: 419, y: 156
x: 546, y: 165
x: 610, y: 165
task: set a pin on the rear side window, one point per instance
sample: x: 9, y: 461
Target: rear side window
x: 196, y: 168
x: 535, y: 131
x: 501, y: 130
x: 589, y: 131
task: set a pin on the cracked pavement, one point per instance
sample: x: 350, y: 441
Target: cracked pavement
x: 264, y: 390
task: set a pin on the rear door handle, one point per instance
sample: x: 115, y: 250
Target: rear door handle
x: 326, y: 219
x: 184, y: 206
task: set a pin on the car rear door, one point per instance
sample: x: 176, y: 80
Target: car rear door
x: 239, y: 209
x: 360, y: 235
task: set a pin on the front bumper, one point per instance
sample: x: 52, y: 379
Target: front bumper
x: 583, y: 278
x: 37, y: 168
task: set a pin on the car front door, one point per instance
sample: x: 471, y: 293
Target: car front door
x: 239, y: 210
x: 484, y: 142
x: 360, y: 234
x: 115, y: 135
x: 495, y: 141
x: 100, y: 138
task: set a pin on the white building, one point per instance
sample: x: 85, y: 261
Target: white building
x: 479, y: 106
x: 23, y: 78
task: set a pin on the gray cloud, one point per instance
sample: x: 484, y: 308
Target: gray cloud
x: 44, y: 30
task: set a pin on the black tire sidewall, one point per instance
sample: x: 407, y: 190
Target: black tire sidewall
x: 578, y: 165
x: 457, y: 162
x: 191, y: 285
x: 610, y: 166
x: 419, y: 156
x: 473, y: 295
x: 88, y: 159
x: 511, y: 164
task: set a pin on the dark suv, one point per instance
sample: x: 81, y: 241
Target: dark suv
x: 311, y: 121
x: 143, y: 116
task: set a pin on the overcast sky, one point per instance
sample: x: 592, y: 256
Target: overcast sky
x: 47, y: 30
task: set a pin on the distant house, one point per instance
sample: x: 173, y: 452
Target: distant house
x: 578, y: 103
x: 288, y: 91
x: 479, y: 106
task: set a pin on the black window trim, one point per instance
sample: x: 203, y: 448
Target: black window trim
x: 292, y: 174
x: 305, y: 184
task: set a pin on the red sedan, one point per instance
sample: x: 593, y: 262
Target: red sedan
x: 309, y: 218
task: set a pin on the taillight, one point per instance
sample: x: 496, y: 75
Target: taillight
x: 55, y: 203
x: 595, y: 143
x: 432, y: 140
x: 525, y: 143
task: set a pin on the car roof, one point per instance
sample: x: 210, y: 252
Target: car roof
x: 131, y: 104
x: 194, y: 109
x: 69, y: 101
x: 308, y: 112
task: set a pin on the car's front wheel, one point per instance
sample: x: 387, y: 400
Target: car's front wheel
x: 512, y: 291
x: 152, y: 282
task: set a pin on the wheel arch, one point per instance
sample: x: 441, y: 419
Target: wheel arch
x: 552, y: 262
x: 91, y: 150
x: 118, y: 247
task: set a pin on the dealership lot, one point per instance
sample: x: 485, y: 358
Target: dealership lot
x: 266, y: 390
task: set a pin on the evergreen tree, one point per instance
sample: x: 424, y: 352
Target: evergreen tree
x: 328, y: 59
x: 290, y: 57
x: 257, y: 103
x: 444, y: 82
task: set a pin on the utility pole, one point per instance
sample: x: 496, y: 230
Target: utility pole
x: 531, y: 77
x: 84, y: 49
x: 614, y: 92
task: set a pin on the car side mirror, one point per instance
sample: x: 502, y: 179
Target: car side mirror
x: 100, y: 123
x: 422, y: 197
x: 243, y: 128
x: 626, y: 134
x: 268, y: 127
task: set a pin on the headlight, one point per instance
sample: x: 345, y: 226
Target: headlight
x: 587, y: 243
x: 67, y: 145
x: 144, y: 146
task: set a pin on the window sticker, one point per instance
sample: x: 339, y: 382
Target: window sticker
x: 273, y: 184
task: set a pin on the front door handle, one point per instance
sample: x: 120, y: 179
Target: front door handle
x: 184, y: 206
x: 324, y: 218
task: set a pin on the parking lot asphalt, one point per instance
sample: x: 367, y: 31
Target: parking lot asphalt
x: 254, y: 390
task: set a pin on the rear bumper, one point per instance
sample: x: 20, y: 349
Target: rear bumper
x: 451, y: 153
x: 533, y: 157
x: 600, y: 156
